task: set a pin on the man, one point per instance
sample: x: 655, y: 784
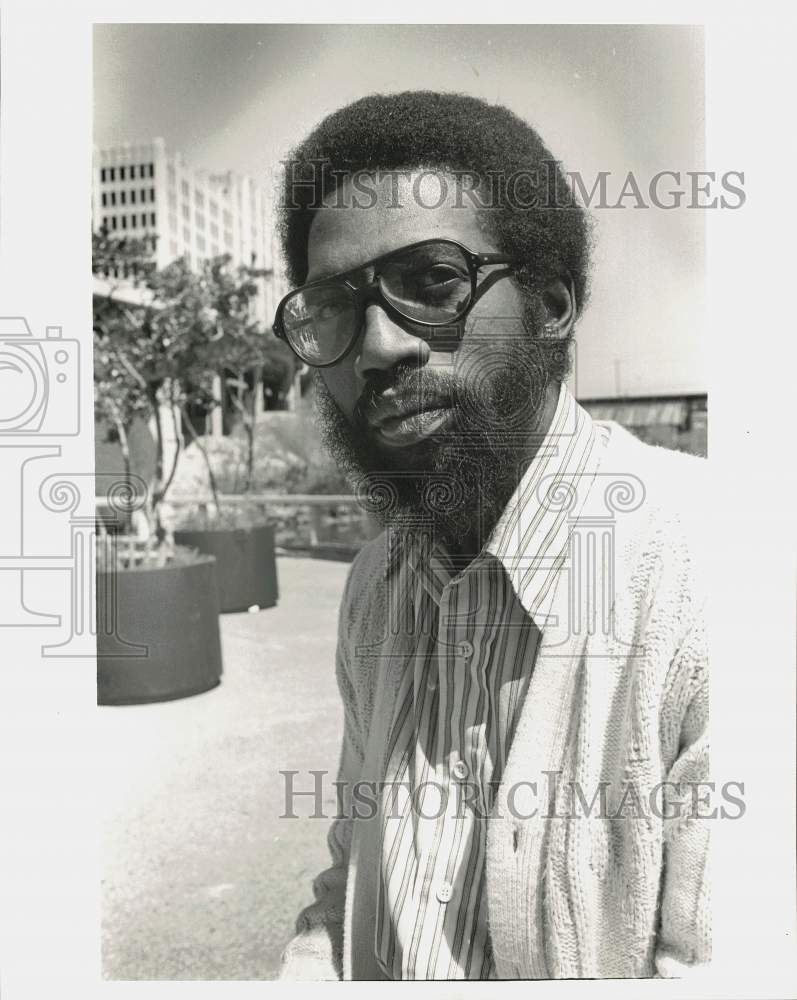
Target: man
x: 521, y: 653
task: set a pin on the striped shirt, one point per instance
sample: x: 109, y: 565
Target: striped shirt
x: 468, y: 642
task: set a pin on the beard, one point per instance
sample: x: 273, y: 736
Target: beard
x: 456, y: 483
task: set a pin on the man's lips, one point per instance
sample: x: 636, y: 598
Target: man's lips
x: 398, y: 426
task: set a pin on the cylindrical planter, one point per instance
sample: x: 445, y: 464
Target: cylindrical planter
x: 157, y: 633
x: 246, y: 568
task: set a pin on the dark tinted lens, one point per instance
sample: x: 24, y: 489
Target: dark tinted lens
x: 319, y: 323
x: 431, y: 283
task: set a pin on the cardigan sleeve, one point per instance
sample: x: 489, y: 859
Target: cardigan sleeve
x: 684, y: 938
x: 316, y: 952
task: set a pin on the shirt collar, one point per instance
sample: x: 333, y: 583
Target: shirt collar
x: 531, y: 537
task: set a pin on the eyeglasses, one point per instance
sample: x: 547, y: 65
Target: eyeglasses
x: 432, y: 284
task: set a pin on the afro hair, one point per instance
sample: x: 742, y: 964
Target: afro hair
x: 529, y: 208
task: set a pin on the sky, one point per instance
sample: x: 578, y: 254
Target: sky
x: 614, y: 98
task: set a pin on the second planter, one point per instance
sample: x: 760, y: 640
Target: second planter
x: 246, y: 568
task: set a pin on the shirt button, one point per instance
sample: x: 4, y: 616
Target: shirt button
x: 460, y: 770
x: 466, y: 649
x: 444, y: 892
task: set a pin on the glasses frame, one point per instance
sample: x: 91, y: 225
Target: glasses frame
x: 372, y: 292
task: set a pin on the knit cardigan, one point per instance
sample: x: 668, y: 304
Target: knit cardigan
x: 620, y: 891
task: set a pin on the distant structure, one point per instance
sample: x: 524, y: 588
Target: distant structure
x: 677, y: 421
x: 145, y: 191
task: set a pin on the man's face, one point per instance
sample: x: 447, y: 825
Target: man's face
x: 419, y: 407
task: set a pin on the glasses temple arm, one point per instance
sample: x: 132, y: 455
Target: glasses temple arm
x: 488, y: 283
x: 481, y: 259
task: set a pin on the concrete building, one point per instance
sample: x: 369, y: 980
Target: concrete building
x: 145, y: 191
x: 148, y: 192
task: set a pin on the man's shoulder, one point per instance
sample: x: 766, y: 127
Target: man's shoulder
x: 663, y: 477
x: 660, y: 501
x: 365, y: 584
x: 370, y: 563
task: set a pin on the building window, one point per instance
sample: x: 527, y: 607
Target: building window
x: 122, y: 198
x: 200, y: 242
x: 112, y: 174
x: 172, y: 199
x: 173, y: 248
x: 214, y: 249
x: 214, y: 230
x: 152, y: 194
x: 228, y: 239
x: 185, y: 189
x: 122, y: 173
x: 186, y: 234
x: 103, y: 173
x: 214, y: 209
x: 113, y: 197
x: 172, y: 175
x: 104, y: 198
x: 200, y: 220
x: 172, y: 222
x: 113, y: 222
x: 227, y: 219
x: 186, y: 212
x: 152, y: 170
x: 199, y: 198
x: 152, y: 219
x: 143, y: 193
x: 124, y: 222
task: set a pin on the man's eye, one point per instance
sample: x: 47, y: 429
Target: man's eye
x: 436, y: 282
x: 438, y: 276
x: 328, y: 310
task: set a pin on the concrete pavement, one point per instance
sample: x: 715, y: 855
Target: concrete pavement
x: 202, y: 879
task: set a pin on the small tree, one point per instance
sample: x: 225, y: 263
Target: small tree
x: 149, y: 350
x: 118, y: 398
x: 243, y: 345
x: 163, y: 352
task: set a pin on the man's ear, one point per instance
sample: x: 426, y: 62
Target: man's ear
x: 560, y: 308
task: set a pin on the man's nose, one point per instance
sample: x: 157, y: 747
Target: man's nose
x: 385, y: 344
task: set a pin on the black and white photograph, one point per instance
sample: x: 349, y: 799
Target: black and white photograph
x: 417, y: 515
x: 370, y: 350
